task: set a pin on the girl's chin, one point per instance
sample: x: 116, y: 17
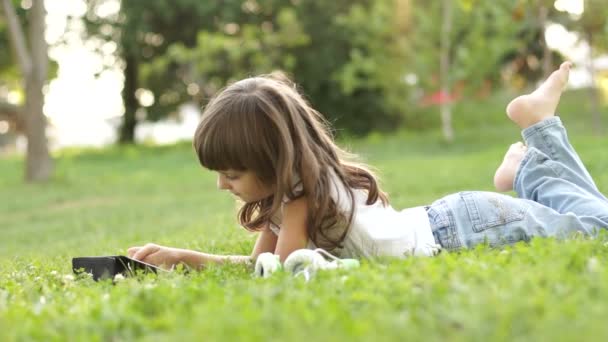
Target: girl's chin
x: 242, y: 199
x: 247, y: 200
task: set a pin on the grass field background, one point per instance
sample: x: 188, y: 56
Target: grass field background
x: 103, y: 201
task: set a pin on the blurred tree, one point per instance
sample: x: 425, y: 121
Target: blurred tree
x: 8, y: 67
x: 9, y: 76
x: 32, y: 58
x: 233, y: 51
x: 346, y: 55
x: 362, y: 48
x: 445, y: 41
x: 594, y: 28
x: 543, y: 18
x: 142, y: 32
x: 465, y: 50
x: 533, y: 60
x: 13, y: 115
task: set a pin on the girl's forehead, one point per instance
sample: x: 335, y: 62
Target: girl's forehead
x: 231, y: 171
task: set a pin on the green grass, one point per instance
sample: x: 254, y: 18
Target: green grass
x: 102, y: 202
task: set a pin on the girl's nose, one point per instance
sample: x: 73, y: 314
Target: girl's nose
x: 221, y: 183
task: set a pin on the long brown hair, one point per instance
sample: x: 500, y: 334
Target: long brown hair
x: 264, y: 125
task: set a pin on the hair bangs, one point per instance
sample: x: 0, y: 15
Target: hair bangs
x: 230, y: 139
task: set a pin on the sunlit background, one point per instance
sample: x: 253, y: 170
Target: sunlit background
x: 84, y: 105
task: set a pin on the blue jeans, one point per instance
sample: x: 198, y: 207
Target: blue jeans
x: 557, y: 198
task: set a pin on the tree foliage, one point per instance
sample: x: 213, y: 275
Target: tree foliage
x: 142, y: 32
x: 457, y: 47
x: 334, y: 52
x: 348, y: 65
x: 483, y: 33
x: 350, y: 57
x: 10, y: 76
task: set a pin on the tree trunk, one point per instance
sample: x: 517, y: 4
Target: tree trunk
x: 39, y: 165
x: 444, y: 69
x: 595, y: 99
x: 33, y: 63
x: 547, y: 63
x: 127, y: 129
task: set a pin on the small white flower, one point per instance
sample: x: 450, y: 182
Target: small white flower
x: 42, y: 300
x: 53, y: 273
x: 105, y: 296
x: 119, y: 277
x: 68, y: 278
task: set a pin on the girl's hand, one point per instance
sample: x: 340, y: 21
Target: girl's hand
x: 165, y: 257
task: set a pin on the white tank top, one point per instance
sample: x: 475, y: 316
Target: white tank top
x: 377, y: 230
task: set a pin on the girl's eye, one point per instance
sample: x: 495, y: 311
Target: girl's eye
x: 232, y: 177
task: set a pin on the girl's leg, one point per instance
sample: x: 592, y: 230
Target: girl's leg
x: 554, y: 185
x: 573, y: 174
x: 534, y: 113
x: 466, y: 219
x: 558, y: 196
x: 550, y: 137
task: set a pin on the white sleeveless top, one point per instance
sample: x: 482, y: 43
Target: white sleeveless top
x: 377, y: 230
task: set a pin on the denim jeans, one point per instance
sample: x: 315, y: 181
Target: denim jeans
x: 556, y: 198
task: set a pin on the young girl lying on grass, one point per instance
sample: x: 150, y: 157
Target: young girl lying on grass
x: 272, y: 150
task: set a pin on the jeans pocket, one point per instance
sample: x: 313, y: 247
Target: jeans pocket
x: 489, y: 209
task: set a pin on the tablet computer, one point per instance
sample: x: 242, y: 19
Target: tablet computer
x: 103, y: 267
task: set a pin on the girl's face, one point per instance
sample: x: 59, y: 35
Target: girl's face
x: 243, y: 184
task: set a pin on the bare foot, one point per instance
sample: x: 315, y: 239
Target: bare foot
x: 526, y: 110
x: 505, y: 174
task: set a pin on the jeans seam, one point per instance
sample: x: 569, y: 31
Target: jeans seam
x: 444, y: 225
x: 540, y: 126
x: 453, y: 241
x: 549, y: 146
x: 472, y: 208
x: 550, y: 165
x: 532, y: 153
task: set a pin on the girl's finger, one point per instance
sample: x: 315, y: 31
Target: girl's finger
x: 145, y: 251
x: 132, y: 250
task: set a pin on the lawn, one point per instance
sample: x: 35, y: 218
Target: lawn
x: 103, y: 201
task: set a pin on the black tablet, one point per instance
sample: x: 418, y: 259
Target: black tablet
x: 102, y: 267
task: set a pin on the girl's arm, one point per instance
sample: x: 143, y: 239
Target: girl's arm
x: 168, y: 256
x: 293, y: 234
x: 266, y: 242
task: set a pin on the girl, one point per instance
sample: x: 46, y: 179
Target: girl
x: 271, y: 149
